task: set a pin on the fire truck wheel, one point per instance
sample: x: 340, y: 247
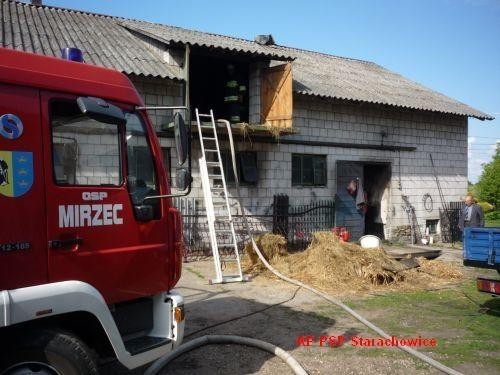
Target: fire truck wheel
x: 50, y: 352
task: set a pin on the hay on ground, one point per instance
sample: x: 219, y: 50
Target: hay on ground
x: 439, y: 269
x: 271, y: 245
x: 332, y: 265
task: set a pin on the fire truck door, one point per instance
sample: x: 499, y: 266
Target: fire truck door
x: 94, y: 235
x: 23, y: 251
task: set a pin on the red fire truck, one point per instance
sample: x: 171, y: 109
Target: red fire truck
x: 89, y: 249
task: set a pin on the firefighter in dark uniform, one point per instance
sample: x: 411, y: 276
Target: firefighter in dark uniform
x: 235, y: 91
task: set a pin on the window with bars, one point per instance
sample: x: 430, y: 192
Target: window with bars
x: 308, y: 170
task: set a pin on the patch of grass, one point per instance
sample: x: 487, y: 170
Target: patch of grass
x: 463, y: 321
x: 492, y: 219
x: 195, y: 272
x: 492, y: 223
x: 328, y: 310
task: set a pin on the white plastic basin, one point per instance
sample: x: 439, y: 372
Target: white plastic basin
x: 369, y: 241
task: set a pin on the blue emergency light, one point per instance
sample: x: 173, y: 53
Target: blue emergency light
x: 73, y: 54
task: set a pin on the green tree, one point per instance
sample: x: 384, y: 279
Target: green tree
x: 471, y: 188
x: 488, y: 186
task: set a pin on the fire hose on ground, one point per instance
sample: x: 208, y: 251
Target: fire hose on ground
x: 227, y: 339
x: 296, y: 367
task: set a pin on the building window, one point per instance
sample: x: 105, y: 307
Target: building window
x: 432, y: 225
x: 246, y: 163
x: 308, y: 170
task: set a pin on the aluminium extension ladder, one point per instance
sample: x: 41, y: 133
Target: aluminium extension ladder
x: 220, y: 222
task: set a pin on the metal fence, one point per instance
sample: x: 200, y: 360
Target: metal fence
x: 297, y: 223
x: 449, y: 217
x: 195, y: 225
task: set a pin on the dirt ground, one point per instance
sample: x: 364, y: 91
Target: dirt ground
x: 280, y: 313
x: 289, y: 313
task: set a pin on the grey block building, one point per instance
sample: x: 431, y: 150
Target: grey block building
x: 342, y: 121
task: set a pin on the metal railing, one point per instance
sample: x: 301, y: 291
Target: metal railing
x: 450, y: 232
x: 196, y: 231
x: 296, y: 222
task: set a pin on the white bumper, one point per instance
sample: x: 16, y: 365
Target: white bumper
x: 26, y: 304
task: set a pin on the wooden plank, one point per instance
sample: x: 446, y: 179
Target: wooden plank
x: 277, y: 96
x: 429, y: 254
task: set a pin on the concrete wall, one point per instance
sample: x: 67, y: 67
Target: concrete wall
x: 445, y: 136
x: 254, y: 93
x: 160, y: 92
x: 84, y: 157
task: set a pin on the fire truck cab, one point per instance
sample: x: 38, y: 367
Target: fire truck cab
x: 87, y: 261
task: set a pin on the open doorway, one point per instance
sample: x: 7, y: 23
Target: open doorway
x: 208, y: 89
x: 377, y: 179
x: 366, y: 212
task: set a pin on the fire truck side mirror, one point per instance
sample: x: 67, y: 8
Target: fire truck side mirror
x: 181, y: 138
x: 100, y: 110
x: 183, y: 179
x: 142, y: 212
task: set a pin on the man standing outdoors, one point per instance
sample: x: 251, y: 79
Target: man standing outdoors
x: 471, y: 215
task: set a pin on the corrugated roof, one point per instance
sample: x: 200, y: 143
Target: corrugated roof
x: 343, y: 78
x: 326, y: 75
x: 112, y: 42
x: 45, y: 30
x: 171, y: 34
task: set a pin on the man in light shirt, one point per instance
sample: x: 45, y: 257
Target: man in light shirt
x: 471, y: 214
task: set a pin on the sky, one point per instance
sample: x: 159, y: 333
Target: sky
x: 451, y: 46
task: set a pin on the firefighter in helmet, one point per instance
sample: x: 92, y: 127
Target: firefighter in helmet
x: 235, y: 91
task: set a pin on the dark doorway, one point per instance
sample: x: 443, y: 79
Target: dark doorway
x: 376, y: 182
x: 208, y: 76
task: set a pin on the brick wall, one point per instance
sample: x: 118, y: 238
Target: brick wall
x: 160, y: 92
x: 87, y: 159
x: 254, y: 93
x: 445, y: 136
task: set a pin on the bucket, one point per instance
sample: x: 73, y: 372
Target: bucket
x: 342, y: 233
x: 369, y: 242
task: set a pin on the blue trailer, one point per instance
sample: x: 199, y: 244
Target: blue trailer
x: 482, y: 250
